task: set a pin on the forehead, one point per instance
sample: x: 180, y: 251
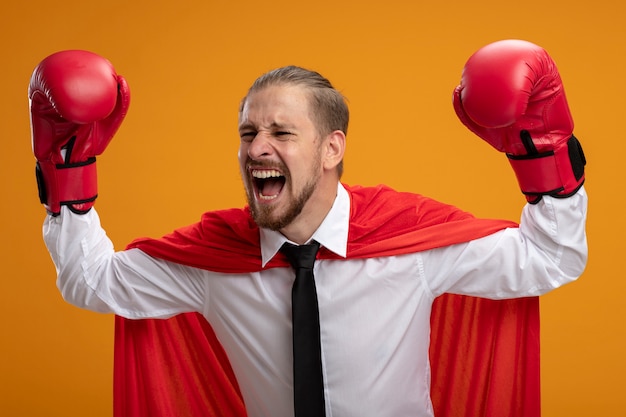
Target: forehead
x: 275, y: 104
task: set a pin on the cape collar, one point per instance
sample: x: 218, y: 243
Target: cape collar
x: 332, y: 233
x: 382, y: 222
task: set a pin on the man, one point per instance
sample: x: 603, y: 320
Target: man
x: 384, y: 257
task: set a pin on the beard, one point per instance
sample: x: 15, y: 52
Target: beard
x: 268, y: 216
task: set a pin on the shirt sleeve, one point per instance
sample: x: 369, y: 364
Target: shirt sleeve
x: 92, y: 275
x: 548, y: 250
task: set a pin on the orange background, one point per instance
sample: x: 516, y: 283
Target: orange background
x: 189, y: 63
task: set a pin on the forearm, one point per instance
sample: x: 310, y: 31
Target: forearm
x: 78, y: 247
x: 557, y: 229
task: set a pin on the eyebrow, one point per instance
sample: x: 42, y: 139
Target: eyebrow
x: 273, y: 125
x: 246, y: 125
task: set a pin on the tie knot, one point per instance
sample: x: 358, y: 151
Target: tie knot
x: 300, y: 256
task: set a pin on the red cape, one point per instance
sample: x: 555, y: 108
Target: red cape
x: 182, y: 359
x: 383, y: 222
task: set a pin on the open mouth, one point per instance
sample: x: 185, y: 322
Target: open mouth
x: 268, y: 183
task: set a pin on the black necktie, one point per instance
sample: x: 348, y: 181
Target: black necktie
x: 308, y: 385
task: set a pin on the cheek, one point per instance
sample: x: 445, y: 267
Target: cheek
x: 241, y: 158
x: 242, y: 154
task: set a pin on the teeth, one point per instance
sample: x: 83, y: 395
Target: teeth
x: 267, y: 197
x: 266, y: 173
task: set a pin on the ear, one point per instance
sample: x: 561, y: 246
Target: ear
x: 333, y: 149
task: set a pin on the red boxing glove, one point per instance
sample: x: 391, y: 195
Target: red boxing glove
x: 511, y: 95
x: 77, y: 103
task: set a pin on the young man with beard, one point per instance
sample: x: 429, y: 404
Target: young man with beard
x: 384, y: 256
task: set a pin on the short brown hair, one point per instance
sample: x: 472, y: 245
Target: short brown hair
x: 330, y: 111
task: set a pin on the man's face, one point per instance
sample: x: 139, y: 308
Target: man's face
x: 279, y: 154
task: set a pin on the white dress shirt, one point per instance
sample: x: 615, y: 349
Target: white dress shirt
x: 374, y: 313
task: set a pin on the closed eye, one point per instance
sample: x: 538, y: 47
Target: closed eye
x: 282, y: 133
x: 247, y: 136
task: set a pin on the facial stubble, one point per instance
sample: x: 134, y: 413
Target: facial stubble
x: 266, y: 216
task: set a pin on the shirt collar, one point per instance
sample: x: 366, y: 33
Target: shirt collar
x: 332, y: 233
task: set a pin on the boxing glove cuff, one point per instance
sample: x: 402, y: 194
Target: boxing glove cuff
x: 73, y: 185
x: 558, y: 173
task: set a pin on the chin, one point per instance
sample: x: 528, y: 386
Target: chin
x: 267, y: 221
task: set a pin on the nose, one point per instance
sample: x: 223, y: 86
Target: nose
x: 260, y: 146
